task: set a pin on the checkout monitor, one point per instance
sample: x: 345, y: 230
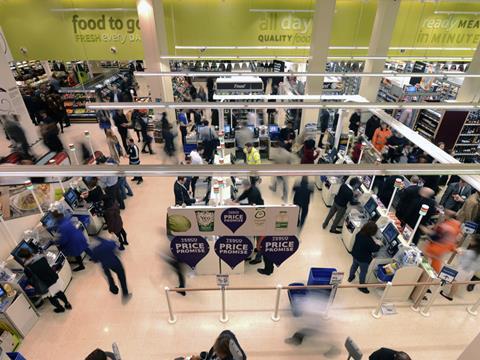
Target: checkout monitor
x: 390, y: 233
x: 48, y: 221
x: 71, y: 198
x: 227, y: 130
x: 273, y: 131
x: 22, y: 245
x: 371, y: 209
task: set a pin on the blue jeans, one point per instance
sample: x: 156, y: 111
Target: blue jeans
x: 363, y: 270
x: 124, y: 187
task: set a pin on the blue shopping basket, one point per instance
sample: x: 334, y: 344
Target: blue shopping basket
x: 15, y: 356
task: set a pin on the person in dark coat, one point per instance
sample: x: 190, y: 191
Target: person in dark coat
x: 71, y: 240
x: 324, y: 119
x: 389, y: 354
x: 251, y: 193
x: 49, y: 131
x: 344, y: 196
x: 362, y: 251
x: 15, y: 132
x: 372, y: 124
x: 104, y: 253
x: 182, y: 195
x: 121, y: 122
x: 354, y: 124
x: 302, y: 194
x: 116, y: 95
x: 455, y: 195
x: 44, y: 279
x: 111, y: 214
x: 287, y: 136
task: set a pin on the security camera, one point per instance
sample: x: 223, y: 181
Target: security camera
x: 23, y: 50
x: 113, y: 50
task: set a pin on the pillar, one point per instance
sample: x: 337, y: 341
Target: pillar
x: 321, y: 31
x: 470, y: 89
x: 11, y: 101
x: 382, y: 32
x: 46, y: 67
x: 152, y: 27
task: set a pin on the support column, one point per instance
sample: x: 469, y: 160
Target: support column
x: 46, y: 67
x: 383, y: 26
x: 11, y: 101
x: 470, y: 89
x: 152, y: 26
x: 321, y: 31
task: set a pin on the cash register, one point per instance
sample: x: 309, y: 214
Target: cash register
x: 273, y: 131
x: 82, y: 210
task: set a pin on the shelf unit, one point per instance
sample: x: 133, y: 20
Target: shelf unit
x: 76, y: 98
x: 427, y: 123
x: 468, y: 141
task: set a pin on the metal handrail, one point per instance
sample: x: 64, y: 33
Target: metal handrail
x: 376, y: 313
x: 242, y: 170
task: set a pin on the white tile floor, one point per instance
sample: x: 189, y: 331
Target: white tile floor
x: 141, y: 329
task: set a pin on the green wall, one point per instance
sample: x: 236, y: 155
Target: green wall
x: 48, y: 34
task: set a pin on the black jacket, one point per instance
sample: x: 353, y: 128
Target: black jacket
x: 354, y: 122
x: 372, y: 124
x: 253, y: 195
x: 181, y: 195
x: 363, y: 248
x: 344, y: 196
x: 302, y: 194
x: 39, y: 271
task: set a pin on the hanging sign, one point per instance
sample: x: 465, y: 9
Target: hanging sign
x: 189, y: 249
x: 277, y: 249
x: 233, y: 249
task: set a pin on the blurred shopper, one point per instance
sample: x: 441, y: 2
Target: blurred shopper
x: 121, y: 122
x: 468, y: 265
x: 389, y: 354
x: 98, y: 354
x: 324, y: 119
x: 444, y: 239
x: 287, y: 136
x: 250, y: 193
x: 49, y: 131
x: 371, y: 126
x: 110, y: 183
x: 354, y: 123
x: 380, y: 136
x: 226, y: 347
x: 16, y: 134
x: 357, y: 150
x: 105, y: 254
x: 410, y: 210
x: 137, y: 120
x: 134, y: 158
x: 183, y: 123
x: 114, y: 222
x: 209, y: 138
x: 182, y: 195
x: 116, y: 95
x: 243, y: 136
x: 202, y: 95
x: 71, y: 240
x: 302, y: 193
x: 345, y: 195
x: 279, y: 155
x: 362, y: 251
x: 168, y: 136
x: 176, y: 266
x: 44, y: 279
x: 309, y: 153
x: 312, y: 323
x: 113, y: 146
x: 196, y: 159
x: 252, y: 157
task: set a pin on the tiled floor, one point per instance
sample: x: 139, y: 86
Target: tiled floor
x: 141, y: 329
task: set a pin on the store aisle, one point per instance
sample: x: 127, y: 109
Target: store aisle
x: 141, y: 330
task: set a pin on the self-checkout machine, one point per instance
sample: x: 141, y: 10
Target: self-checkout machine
x: 398, y: 250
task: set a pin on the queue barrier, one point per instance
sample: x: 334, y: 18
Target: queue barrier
x: 376, y: 313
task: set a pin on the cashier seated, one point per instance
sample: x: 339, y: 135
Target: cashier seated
x: 362, y: 252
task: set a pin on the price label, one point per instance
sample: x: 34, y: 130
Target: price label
x: 223, y: 280
x: 448, y: 274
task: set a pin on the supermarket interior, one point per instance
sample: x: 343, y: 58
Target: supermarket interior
x: 233, y: 179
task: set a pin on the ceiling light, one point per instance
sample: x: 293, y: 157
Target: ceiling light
x: 281, y: 10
